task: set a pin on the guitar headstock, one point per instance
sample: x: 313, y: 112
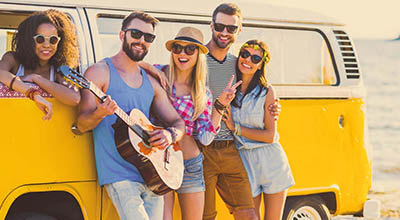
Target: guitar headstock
x: 74, y: 77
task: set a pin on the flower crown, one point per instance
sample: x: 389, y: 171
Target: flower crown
x: 257, y: 47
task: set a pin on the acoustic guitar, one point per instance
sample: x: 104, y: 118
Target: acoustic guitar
x: 161, y: 168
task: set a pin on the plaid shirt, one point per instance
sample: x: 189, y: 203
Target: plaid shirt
x: 202, y: 125
x: 202, y: 128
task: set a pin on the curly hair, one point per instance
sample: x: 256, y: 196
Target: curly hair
x: 259, y: 78
x: 24, y: 46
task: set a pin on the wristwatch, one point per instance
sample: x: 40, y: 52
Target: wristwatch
x: 172, y: 130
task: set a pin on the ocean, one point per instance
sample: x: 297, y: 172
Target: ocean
x: 380, y: 66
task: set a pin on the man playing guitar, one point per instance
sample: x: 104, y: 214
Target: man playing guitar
x: 130, y: 87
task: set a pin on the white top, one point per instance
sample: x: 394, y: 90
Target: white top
x: 21, y: 71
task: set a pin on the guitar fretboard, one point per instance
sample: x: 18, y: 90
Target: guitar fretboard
x: 119, y: 112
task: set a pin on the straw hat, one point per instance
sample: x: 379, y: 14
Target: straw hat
x: 190, y: 35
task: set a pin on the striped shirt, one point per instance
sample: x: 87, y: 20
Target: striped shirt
x: 219, y: 75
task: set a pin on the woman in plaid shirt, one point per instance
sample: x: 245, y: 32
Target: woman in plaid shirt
x: 187, y: 75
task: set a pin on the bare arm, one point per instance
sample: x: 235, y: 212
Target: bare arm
x: 61, y: 92
x: 6, y: 65
x: 156, y: 73
x: 270, y: 125
x: 91, y: 111
x: 165, y: 111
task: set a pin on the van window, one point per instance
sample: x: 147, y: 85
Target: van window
x: 9, y: 21
x: 109, y: 28
x: 8, y: 24
x: 298, y: 57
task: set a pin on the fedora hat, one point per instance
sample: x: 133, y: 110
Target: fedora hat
x: 189, y: 35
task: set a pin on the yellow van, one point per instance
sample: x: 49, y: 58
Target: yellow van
x: 48, y: 171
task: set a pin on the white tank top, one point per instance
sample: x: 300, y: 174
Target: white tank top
x: 21, y: 71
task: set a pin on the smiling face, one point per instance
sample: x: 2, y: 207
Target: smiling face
x: 246, y: 66
x: 224, y: 38
x: 183, y: 61
x: 44, y: 51
x: 136, y: 49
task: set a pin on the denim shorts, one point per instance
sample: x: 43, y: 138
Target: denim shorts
x: 134, y: 201
x: 193, y: 179
x: 267, y: 168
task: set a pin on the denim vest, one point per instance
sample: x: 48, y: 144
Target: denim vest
x: 111, y: 167
x: 251, y: 115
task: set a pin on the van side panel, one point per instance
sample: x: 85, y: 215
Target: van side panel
x: 322, y: 152
x: 42, y: 152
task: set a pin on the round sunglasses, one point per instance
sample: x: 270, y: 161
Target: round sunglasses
x: 40, y: 38
x: 230, y: 28
x: 189, y: 49
x: 137, y: 34
x: 254, y: 58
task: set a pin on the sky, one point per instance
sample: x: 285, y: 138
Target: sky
x: 373, y: 19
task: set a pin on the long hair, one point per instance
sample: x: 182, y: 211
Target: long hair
x: 198, y: 82
x: 24, y: 45
x: 259, y: 78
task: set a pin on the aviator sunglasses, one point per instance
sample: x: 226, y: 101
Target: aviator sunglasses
x: 40, y: 38
x: 254, y: 58
x: 189, y: 49
x: 137, y: 34
x: 220, y: 27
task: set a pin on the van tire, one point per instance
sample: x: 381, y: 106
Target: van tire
x: 30, y: 216
x: 305, y: 208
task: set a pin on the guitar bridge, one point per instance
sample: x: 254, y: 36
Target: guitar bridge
x: 166, y: 158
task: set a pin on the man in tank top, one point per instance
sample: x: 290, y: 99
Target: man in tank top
x: 127, y: 85
x: 221, y: 168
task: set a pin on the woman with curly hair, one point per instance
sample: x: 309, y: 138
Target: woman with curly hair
x: 43, y: 42
x: 255, y: 131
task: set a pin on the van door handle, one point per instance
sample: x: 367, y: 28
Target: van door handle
x: 341, y: 121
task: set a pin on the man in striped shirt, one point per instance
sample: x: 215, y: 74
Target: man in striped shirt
x: 223, y: 169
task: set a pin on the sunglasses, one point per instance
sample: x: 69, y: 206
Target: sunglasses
x: 137, y: 34
x: 230, y: 28
x: 254, y: 58
x: 40, y: 38
x: 189, y: 49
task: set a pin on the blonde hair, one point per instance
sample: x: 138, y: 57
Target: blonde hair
x: 198, y: 82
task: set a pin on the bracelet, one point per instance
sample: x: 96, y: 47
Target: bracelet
x: 31, y: 92
x: 12, y: 82
x: 172, y: 130
x: 218, y: 105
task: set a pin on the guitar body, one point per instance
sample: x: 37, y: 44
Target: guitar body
x: 161, y: 169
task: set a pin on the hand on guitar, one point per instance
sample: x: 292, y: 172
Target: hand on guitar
x: 160, y: 138
x: 106, y: 107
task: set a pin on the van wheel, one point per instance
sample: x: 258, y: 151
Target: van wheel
x: 29, y: 216
x: 306, y: 208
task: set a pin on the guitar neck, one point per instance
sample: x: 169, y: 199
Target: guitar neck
x: 119, y: 112
x: 122, y: 115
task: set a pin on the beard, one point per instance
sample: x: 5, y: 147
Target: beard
x: 222, y: 45
x: 133, y: 55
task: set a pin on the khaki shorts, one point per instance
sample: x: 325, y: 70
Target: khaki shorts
x: 224, y: 171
